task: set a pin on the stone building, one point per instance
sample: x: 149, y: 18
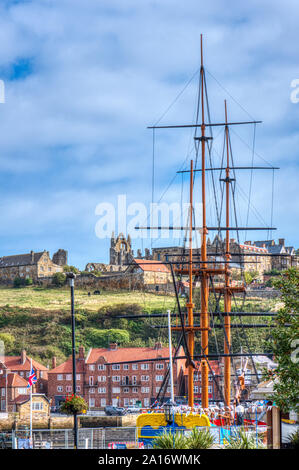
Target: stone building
x: 150, y: 271
x: 282, y: 257
x: 121, y: 254
x: 112, y: 376
x: 30, y: 265
x: 40, y: 407
x: 60, y: 257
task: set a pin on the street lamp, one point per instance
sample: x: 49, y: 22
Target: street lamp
x: 71, y: 278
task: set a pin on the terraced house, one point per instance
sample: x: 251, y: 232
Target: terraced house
x: 116, y: 376
x: 30, y: 265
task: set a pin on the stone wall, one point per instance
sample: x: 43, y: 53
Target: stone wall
x: 263, y: 294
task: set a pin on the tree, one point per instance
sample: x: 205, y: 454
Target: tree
x: 250, y: 276
x: 70, y: 269
x: 8, y: 341
x: 58, y: 279
x: 284, y: 342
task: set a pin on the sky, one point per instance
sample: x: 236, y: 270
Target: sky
x: 84, y: 79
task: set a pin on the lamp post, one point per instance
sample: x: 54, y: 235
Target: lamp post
x: 71, y: 278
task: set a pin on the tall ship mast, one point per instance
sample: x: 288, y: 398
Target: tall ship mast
x: 206, y: 266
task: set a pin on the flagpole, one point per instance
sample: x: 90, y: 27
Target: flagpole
x: 31, y: 403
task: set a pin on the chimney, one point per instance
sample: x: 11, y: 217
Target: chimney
x: 281, y: 241
x: 158, y: 345
x: 113, y: 346
x: 81, y: 353
x: 23, y: 356
x: 32, y: 256
x: 54, y: 362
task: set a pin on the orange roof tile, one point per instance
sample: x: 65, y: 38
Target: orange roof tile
x: 67, y: 367
x: 150, y: 265
x: 13, y: 380
x: 14, y: 363
x: 126, y: 354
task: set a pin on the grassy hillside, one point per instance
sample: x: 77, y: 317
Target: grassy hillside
x: 38, y: 319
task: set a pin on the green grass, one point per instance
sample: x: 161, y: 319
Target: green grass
x: 59, y: 299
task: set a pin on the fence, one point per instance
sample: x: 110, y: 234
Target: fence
x: 107, y: 438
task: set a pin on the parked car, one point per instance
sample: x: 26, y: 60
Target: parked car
x: 133, y: 409
x: 115, y: 411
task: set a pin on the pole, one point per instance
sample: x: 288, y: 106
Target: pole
x: 227, y: 294
x: 71, y: 277
x: 204, y: 298
x: 30, y: 436
x: 170, y: 359
x: 190, y: 304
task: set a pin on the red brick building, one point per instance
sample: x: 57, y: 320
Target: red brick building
x: 21, y: 365
x: 114, y: 377
x: 12, y: 388
x: 213, y: 389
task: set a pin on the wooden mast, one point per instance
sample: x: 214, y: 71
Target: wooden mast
x: 227, y: 291
x: 204, y: 320
x: 190, y: 304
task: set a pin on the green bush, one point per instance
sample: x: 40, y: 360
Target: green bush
x: 8, y: 341
x: 17, y: 282
x: 200, y: 439
x: 240, y: 439
x: 101, y: 338
x: 167, y: 440
x: 58, y: 279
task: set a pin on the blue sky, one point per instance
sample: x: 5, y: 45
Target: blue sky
x: 83, y: 80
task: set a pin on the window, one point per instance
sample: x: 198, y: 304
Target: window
x: 159, y: 378
x: 68, y: 377
x: 22, y: 391
x: 102, y: 389
x: 159, y: 366
x: 145, y: 378
x: 126, y: 366
x: 144, y: 366
x: 68, y: 388
x: 59, y: 388
x: 101, y: 367
x: 210, y: 389
x: 146, y: 402
x: 41, y: 374
x: 116, y: 378
x: 116, y: 367
x: 134, y: 380
x: 78, y: 388
x: 144, y: 389
x: 134, y: 366
x: 3, y: 392
x: 37, y: 406
x: 157, y: 389
x: 126, y: 390
x: 134, y: 390
x: 91, y: 380
x: 115, y: 390
x: 59, y: 376
x: 101, y: 378
x: 103, y: 401
x: 27, y: 374
x: 91, y: 403
x: 91, y: 367
x: 126, y: 401
x: 78, y: 376
x: 22, y: 374
x: 195, y: 388
x: 91, y: 390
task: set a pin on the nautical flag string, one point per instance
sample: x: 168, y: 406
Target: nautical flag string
x: 32, y: 378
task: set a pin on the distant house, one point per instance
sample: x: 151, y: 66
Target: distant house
x: 151, y: 272
x: 30, y: 265
x: 20, y: 365
x: 283, y: 256
x: 40, y: 406
x: 12, y: 387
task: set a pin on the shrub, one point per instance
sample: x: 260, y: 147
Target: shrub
x: 70, y: 269
x: 200, y: 439
x: 240, y: 439
x: 293, y: 440
x: 28, y: 281
x: 8, y: 341
x: 101, y: 338
x: 58, y: 279
x: 167, y: 440
x: 17, y: 282
x: 73, y: 404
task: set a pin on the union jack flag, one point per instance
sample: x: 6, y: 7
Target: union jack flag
x: 32, y: 378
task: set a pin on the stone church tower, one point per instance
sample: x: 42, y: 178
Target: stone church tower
x: 60, y: 257
x: 121, y: 251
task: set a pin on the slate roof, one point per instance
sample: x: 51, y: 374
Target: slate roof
x: 20, y: 260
